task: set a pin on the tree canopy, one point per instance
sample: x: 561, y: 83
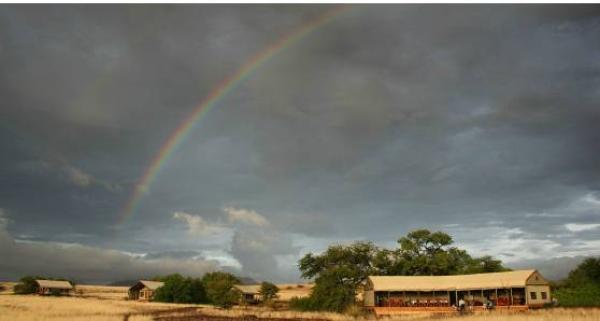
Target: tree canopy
x: 268, y: 291
x: 342, y: 268
x: 219, y: 288
x: 582, y: 286
x: 180, y: 289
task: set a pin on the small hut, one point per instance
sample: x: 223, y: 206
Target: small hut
x: 46, y: 287
x: 144, y: 290
x: 250, y: 293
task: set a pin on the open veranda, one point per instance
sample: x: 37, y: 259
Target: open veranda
x: 45, y: 308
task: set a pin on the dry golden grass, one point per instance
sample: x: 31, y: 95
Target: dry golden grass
x: 102, y: 291
x: 533, y: 315
x: 36, y: 308
x: 7, y: 287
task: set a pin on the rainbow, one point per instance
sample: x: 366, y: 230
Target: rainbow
x: 176, y: 138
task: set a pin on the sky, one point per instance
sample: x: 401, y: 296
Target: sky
x: 477, y: 120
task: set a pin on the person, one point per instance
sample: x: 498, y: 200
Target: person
x: 461, y: 305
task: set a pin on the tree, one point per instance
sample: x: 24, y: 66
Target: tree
x: 26, y: 285
x: 179, y: 289
x: 341, y: 269
x: 268, y: 292
x: 338, y: 272
x: 587, y: 272
x: 582, y: 286
x: 220, y: 290
x: 352, y: 264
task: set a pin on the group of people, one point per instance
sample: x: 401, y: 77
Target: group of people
x: 488, y: 304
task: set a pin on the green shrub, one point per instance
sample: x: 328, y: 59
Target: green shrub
x: 220, y: 290
x: 26, y: 285
x: 179, y: 289
x: 268, y: 292
x: 580, y: 296
x: 302, y: 304
x: 355, y: 311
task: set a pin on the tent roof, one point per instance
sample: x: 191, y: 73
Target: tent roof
x: 51, y: 284
x: 152, y: 285
x: 495, y: 280
x: 248, y: 289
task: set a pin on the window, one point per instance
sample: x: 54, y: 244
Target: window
x: 533, y: 295
x: 544, y: 296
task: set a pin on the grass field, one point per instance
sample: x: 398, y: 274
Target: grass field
x: 104, y: 303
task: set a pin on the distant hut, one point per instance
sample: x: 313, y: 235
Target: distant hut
x: 46, y: 287
x: 144, y: 290
x: 250, y: 293
x: 287, y: 291
x: 516, y: 290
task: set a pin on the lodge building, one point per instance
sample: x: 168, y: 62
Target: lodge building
x: 144, y: 290
x: 520, y: 289
x: 46, y: 287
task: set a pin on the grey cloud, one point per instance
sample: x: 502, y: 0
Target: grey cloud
x: 89, y: 264
x: 387, y: 118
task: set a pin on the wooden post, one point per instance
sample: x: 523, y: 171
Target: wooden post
x: 511, y: 297
x: 388, y: 300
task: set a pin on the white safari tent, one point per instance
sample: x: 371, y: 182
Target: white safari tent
x: 53, y: 287
x: 513, y: 289
x: 144, y: 290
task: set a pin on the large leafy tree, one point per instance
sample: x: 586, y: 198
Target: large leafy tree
x: 220, y: 290
x: 341, y: 269
x: 337, y: 273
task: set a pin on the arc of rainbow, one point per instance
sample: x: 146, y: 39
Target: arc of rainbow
x: 176, y: 138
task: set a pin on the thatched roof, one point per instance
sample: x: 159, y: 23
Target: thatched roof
x: 496, y: 280
x: 50, y: 284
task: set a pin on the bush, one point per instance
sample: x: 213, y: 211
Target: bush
x: 179, y: 289
x: 580, y: 296
x: 26, y: 285
x: 268, y: 292
x: 302, y: 304
x: 355, y: 311
x: 220, y: 290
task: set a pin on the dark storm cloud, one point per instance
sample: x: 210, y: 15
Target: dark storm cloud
x: 481, y: 120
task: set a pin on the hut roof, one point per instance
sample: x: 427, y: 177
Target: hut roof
x: 497, y: 280
x: 248, y: 289
x: 152, y: 285
x: 51, y: 284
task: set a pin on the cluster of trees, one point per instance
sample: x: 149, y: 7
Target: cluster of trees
x: 340, y: 270
x: 27, y: 284
x: 582, y: 287
x: 215, y: 287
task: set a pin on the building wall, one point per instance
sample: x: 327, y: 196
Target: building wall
x: 369, y: 298
x: 538, y: 290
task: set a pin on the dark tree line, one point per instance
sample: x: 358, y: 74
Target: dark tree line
x: 582, y: 287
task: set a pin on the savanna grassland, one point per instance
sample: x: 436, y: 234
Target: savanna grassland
x: 106, y: 303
